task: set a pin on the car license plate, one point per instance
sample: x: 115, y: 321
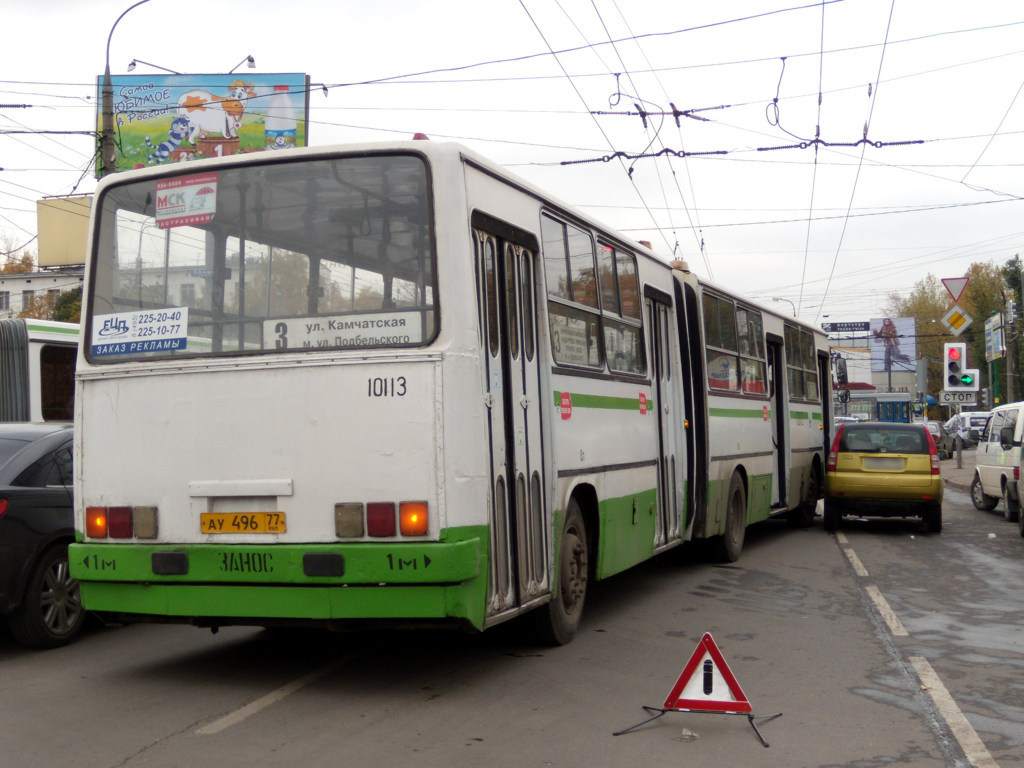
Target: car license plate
x: 883, y: 463
x: 242, y: 522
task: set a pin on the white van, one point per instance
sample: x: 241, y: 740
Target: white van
x: 998, y: 466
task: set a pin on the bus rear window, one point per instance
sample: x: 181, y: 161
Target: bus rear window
x: 325, y: 253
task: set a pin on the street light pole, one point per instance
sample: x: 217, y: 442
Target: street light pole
x: 779, y: 298
x: 108, y: 149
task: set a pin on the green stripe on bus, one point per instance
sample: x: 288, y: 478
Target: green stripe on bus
x: 601, y: 401
x: 805, y: 415
x: 50, y: 329
x: 737, y: 413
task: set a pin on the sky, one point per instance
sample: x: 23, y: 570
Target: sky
x: 766, y: 185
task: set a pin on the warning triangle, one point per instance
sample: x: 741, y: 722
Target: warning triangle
x: 707, y: 684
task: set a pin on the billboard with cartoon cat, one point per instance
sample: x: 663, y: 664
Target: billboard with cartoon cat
x: 160, y: 119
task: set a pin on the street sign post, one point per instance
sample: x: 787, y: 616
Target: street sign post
x: 956, y: 320
x: 957, y: 397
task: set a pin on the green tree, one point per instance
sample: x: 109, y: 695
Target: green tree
x: 68, y: 306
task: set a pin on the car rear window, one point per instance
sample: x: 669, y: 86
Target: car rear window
x: 883, y: 439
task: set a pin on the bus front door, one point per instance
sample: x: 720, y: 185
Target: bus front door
x: 670, y: 493
x: 518, y: 544
x: 779, y: 418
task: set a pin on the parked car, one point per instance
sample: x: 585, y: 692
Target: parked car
x: 936, y: 429
x: 997, y: 467
x: 945, y: 441
x: 968, y: 426
x: 883, y: 469
x: 39, y: 598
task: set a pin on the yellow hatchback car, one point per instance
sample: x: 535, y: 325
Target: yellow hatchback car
x: 883, y: 469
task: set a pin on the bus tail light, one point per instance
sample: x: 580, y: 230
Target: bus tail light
x: 348, y: 520
x: 121, y: 522
x: 412, y: 518
x: 353, y: 520
x: 96, y: 522
x: 380, y: 518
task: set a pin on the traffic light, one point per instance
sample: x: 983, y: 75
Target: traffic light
x: 956, y: 358
x: 957, y: 374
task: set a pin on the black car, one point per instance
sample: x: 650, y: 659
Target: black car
x: 37, y: 594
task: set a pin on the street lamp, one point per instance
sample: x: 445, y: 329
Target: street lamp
x: 107, y: 147
x: 131, y: 66
x: 249, y: 61
x: 779, y: 298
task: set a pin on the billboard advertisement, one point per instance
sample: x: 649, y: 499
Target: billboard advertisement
x: 893, y: 345
x: 161, y: 119
x: 63, y: 230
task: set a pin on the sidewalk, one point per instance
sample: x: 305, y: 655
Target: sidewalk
x: 959, y: 478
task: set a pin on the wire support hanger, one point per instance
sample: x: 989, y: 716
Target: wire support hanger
x: 644, y: 155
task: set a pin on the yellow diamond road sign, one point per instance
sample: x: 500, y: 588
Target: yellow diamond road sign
x: 956, y: 320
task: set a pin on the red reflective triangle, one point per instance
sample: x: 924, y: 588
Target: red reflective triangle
x: 707, y: 684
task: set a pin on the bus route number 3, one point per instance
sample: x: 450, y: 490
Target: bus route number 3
x: 379, y: 386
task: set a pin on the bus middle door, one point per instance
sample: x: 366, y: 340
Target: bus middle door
x: 779, y: 413
x: 518, y: 543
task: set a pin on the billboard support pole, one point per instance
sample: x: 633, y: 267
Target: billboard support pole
x: 108, y: 149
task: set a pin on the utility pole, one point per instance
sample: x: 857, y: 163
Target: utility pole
x: 1009, y: 317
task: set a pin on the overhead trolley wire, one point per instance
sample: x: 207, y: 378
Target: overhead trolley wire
x: 568, y: 77
x: 814, y: 173
x: 853, y: 190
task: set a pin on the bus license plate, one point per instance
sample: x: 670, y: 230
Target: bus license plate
x: 242, y: 522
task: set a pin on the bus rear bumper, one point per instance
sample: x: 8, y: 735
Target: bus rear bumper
x: 221, y: 585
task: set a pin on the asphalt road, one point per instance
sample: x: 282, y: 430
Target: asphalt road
x: 811, y: 624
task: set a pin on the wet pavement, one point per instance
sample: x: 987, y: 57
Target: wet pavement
x: 959, y: 476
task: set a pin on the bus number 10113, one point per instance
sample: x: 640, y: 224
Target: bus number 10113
x: 382, y: 387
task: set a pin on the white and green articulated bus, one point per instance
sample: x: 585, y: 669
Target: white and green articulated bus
x: 394, y: 383
x: 37, y: 369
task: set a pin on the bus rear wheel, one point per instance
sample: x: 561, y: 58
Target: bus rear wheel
x: 731, y: 542
x: 558, y: 621
x: 803, y: 515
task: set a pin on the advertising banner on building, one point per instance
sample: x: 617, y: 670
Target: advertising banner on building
x: 893, y: 344
x: 161, y: 119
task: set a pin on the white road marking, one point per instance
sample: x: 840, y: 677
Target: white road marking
x: 888, y: 615
x: 858, y: 566
x: 271, y: 698
x: 977, y: 754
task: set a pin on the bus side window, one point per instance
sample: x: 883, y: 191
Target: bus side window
x: 623, y: 338
x: 57, y: 374
x: 720, y: 342
x: 570, y: 273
